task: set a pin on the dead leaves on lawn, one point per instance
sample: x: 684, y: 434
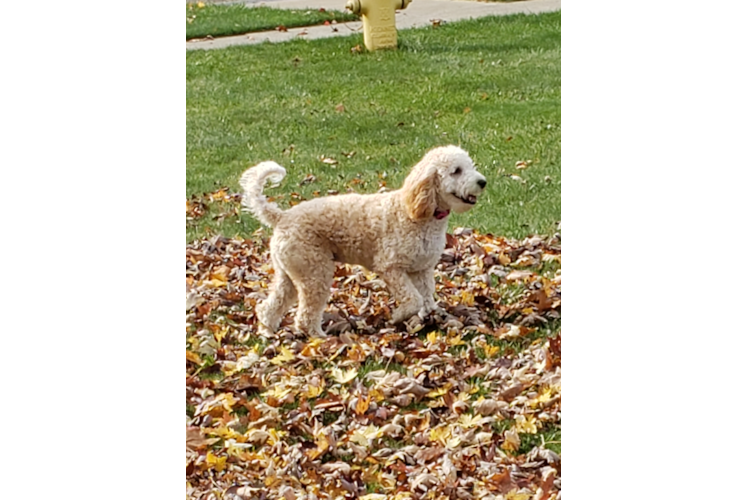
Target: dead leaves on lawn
x: 454, y: 408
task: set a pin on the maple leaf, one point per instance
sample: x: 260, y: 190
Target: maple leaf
x: 322, y: 446
x: 284, y: 356
x: 217, y: 463
x: 440, y: 434
x: 491, y: 350
x: 312, y: 391
x: 364, y: 436
x: 545, y: 395
x: 432, y: 337
x: 525, y: 424
x: 362, y: 404
x: 343, y: 377
x: 441, y: 391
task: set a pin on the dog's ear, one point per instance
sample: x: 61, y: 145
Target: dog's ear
x: 420, y: 193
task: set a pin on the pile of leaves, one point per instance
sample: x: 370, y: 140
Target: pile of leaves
x: 463, y: 406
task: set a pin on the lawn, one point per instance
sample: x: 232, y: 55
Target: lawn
x: 224, y: 20
x: 490, y: 85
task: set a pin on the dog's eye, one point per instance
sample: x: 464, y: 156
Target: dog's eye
x: 457, y: 171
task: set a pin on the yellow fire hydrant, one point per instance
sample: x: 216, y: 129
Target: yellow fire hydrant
x: 379, y: 21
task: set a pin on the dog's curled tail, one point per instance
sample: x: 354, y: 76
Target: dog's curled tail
x: 252, y: 181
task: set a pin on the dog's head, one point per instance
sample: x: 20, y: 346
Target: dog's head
x: 444, y: 180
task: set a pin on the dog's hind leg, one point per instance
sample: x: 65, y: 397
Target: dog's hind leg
x: 312, y: 280
x: 282, y: 296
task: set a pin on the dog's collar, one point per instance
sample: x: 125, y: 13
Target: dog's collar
x: 440, y: 214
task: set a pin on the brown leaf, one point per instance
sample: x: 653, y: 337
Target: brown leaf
x: 196, y: 440
x: 425, y: 455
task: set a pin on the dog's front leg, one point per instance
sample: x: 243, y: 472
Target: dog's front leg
x: 405, y: 292
x: 424, y: 282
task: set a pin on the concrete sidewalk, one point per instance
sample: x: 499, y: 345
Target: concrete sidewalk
x: 418, y: 13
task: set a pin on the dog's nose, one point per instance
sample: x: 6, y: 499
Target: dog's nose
x: 482, y: 183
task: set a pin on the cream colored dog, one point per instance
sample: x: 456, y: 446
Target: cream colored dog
x: 399, y: 235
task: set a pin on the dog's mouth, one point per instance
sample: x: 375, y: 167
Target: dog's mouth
x: 469, y: 199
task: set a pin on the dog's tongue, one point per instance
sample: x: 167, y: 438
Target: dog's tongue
x: 440, y: 214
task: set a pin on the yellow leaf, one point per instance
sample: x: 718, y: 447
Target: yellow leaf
x: 225, y: 433
x: 545, y: 395
x: 467, y: 421
x: 278, y: 392
x: 525, y: 424
x: 227, y: 400
x: 313, y: 390
x: 515, y: 495
x: 455, y: 340
x: 275, y: 436
x: 343, y: 377
x: 431, y: 337
x: 191, y: 356
x: 362, y: 436
x: 376, y: 395
x: 217, y: 283
x: 467, y: 298
x: 217, y: 463
x: 310, y: 348
x: 491, y: 350
x: 271, y: 481
x: 285, y: 355
x: 440, y: 434
x: 229, y: 368
x: 220, y: 273
x: 362, y: 404
x: 200, y: 5
x: 322, y: 445
x: 441, y: 391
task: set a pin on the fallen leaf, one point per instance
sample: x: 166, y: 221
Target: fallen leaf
x: 284, y: 356
x: 343, y: 377
x: 362, y: 404
x: 511, y: 440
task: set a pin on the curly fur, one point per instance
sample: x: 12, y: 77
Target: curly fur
x: 399, y: 235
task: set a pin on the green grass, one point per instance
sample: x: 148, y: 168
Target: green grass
x: 491, y: 85
x: 235, y: 19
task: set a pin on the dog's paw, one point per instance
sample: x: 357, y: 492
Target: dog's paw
x: 265, y: 331
x: 399, y: 315
x: 414, y: 324
x: 423, y: 314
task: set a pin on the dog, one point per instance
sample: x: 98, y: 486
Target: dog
x: 400, y: 235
